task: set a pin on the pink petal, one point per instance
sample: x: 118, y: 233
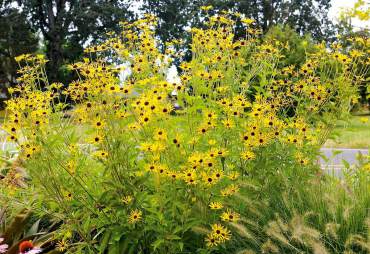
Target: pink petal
x: 34, y: 251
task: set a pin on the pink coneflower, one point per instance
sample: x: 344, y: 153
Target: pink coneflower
x: 26, y: 247
x: 3, y: 247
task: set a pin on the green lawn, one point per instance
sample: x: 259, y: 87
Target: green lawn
x: 353, y: 133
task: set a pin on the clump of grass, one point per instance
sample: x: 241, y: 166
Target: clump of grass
x: 322, y: 215
x: 351, y: 133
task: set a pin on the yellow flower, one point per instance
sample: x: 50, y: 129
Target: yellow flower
x: 62, y: 245
x: 233, y: 175
x: 12, y: 138
x: 71, y: 167
x: 218, y: 174
x: 190, y: 180
x: 135, y: 216
x: 216, y: 205
x: 172, y: 174
x: 220, y: 232
x: 206, y: 8
x: 160, y: 134
x: 101, y: 154
x: 145, y: 119
x: 99, y: 123
x: 247, y: 21
x: 345, y: 59
x: 230, y: 190
x: 228, y: 123
x: 210, y: 115
x: 230, y: 216
x: 212, y: 142
x: 193, y: 140
x: 203, y: 129
x: 177, y: 140
x: 190, y: 173
x: 364, y: 119
x: 366, y: 167
x: 68, y: 195
x: 209, y: 179
x: 73, y: 148
x: 211, y: 240
x: 96, y: 139
x: 127, y: 199
x: 248, y: 155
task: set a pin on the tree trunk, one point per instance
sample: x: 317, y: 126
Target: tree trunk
x: 55, y: 56
x: 267, y: 6
x: 55, y: 38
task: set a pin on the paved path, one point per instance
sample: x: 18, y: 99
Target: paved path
x: 9, y: 147
x: 337, y: 155
x: 332, y: 161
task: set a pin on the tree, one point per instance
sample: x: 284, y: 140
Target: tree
x: 67, y: 25
x: 16, y: 38
x: 297, y: 46
x: 304, y: 16
x: 174, y: 16
x: 348, y: 31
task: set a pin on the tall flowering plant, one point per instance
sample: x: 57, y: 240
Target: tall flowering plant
x: 151, y: 165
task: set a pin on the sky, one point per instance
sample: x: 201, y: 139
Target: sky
x: 337, y: 5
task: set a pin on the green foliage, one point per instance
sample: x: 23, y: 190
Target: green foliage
x: 20, y: 230
x: 220, y: 160
x: 291, y: 212
x: 67, y: 25
x: 16, y: 38
x: 306, y: 17
x: 174, y: 16
x: 297, y: 46
x: 351, y: 133
x: 347, y: 32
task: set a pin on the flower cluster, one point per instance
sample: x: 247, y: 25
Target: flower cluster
x: 139, y: 146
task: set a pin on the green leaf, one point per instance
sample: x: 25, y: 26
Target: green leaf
x: 346, y: 164
x: 158, y: 243
x: 336, y: 152
x: 181, y: 246
x: 173, y: 237
x: 104, y: 242
x: 34, y: 229
x: 17, y: 226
